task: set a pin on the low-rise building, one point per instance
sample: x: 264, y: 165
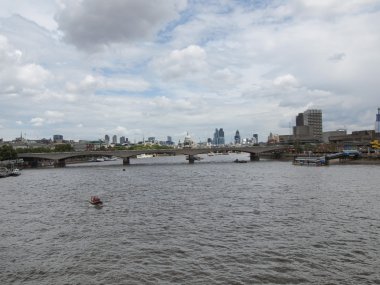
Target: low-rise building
x: 363, y: 137
x: 326, y: 135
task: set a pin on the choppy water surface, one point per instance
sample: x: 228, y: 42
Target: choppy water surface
x: 215, y: 222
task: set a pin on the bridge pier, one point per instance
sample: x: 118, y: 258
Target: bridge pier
x: 191, y: 159
x: 254, y: 157
x: 60, y: 163
x: 126, y: 161
x: 277, y: 155
x: 33, y: 163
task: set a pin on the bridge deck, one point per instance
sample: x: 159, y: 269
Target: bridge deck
x: 130, y: 153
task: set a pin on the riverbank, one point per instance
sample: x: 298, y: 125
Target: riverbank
x: 365, y: 159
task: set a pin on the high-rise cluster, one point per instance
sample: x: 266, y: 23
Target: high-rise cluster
x: 123, y: 140
x: 218, y: 137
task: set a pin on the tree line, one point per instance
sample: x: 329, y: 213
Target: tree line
x: 7, y: 152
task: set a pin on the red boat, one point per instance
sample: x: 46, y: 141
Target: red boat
x: 95, y: 200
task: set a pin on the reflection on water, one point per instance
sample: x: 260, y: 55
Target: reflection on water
x: 215, y: 222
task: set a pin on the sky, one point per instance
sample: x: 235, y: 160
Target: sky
x: 142, y: 68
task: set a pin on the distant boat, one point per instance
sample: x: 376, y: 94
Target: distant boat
x: 106, y: 158
x: 15, y: 172
x: 144, y: 155
x: 4, y: 172
x: 100, y: 159
x: 211, y: 154
x: 240, y: 161
x: 95, y: 200
x: 309, y: 161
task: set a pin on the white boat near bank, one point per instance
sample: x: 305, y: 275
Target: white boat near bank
x: 144, y: 155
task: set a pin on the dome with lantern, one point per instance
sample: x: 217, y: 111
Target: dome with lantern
x: 188, y: 142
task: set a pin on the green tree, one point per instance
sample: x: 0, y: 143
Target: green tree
x: 34, y: 150
x: 7, y: 153
x: 149, y: 147
x: 63, y: 147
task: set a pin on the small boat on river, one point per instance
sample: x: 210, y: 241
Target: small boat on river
x: 15, y: 172
x: 144, y: 155
x: 240, y: 161
x: 4, y: 172
x: 309, y: 161
x: 95, y: 200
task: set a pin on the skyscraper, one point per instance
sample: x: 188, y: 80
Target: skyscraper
x: 169, y: 140
x: 221, y: 137
x: 308, y: 126
x: 313, y: 118
x: 56, y: 138
x: 215, y: 141
x: 114, y: 139
x: 377, y: 123
x: 255, y: 138
x: 237, y: 137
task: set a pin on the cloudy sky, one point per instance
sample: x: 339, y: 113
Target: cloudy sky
x: 86, y: 68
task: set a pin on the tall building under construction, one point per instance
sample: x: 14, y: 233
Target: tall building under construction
x: 377, y: 123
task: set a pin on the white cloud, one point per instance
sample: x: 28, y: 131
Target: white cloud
x: 32, y: 74
x: 54, y: 114
x: 225, y: 75
x: 120, y: 130
x: 37, y: 122
x: 41, y: 12
x: 328, y: 8
x: 181, y: 63
x: 337, y: 56
x: 91, y: 84
x: 16, y: 74
x: 135, y: 84
x: 287, y: 80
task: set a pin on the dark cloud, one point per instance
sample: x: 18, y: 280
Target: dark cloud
x: 337, y: 56
x: 93, y: 23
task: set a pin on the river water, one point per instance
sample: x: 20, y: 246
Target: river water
x: 215, y: 222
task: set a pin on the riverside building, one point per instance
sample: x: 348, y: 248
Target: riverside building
x: 308, y: 126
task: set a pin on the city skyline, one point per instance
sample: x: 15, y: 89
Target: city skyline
x: 250, y: 66
x: 308, y: 126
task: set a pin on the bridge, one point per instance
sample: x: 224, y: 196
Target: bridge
x: 59, y: 158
